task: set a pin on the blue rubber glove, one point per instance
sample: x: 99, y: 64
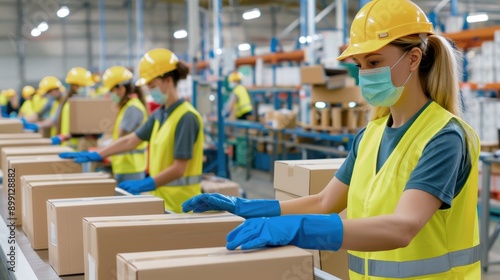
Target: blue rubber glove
x: 29, y: 126
x: 82, y: 157
x: 320, y: 232
x: 56, y: 140
x: 138, y: 186
x: 245, y: 208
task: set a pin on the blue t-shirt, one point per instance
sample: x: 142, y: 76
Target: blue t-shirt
x: 443, y: 168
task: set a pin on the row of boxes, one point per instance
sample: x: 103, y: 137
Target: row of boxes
x: 338, y: 118
x: 299, y: 178
x: 87, y: 229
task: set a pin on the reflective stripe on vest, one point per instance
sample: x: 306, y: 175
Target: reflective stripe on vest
x: 391, y: 269
x: 137, y: 151
x: 185, y: 181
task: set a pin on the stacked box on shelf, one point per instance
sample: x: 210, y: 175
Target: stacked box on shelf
x: 496, y: 55
x: 294, y: 179
x: 488, y: 63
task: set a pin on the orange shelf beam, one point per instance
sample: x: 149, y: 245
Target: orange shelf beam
x: 473, y: 37
x: 272, y: 58
x: 476, y: 86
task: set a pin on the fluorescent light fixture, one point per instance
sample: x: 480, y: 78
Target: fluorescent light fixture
x: 251, y: 14
x: 320, y: 105
x: 477, y: 17
x: 244, y: 47
x: 302, y: 40
x: 352, y: 104
x: 309, y: 39
x: 35, y: 32
x: 211, y: 97
x: 179, y: 34
x: 218, y: 51
x: 63, y: 12
x: 43, y: 26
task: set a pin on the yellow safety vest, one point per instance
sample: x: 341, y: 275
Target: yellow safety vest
x: 72, y: 142
x: 132, y: 161
x: 52, y: 115
x: 28, y: 108
x: 161, y: 149
x: 447, y: 247
x: 244, y: 104
x: 38, y: 102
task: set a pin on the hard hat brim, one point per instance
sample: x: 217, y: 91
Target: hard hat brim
x: 361, y: 48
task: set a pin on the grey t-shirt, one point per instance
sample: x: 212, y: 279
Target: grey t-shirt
x: 186, y: 132
x: 442, y: 170
x: 132, y: 119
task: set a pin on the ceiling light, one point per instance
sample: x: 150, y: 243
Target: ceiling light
x: 320, y: 105
x: 302, y: 40
x: 477, y: 17
x: 63, y: 12
x: 36, y: 32
x: 218, y: 51
x: 244, y: 47
x: 251, y: 14
x: 309, y: 39
x: 43, y: 26
x: 179, y: 34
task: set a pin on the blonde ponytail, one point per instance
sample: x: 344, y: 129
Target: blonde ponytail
x: 439, y: 71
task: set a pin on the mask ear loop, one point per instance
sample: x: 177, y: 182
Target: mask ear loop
x: 399, y: 59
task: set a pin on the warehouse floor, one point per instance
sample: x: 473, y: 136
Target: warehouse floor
x: 260, y: 186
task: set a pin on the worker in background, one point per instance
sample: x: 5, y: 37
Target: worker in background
x: 28, y: 108
x: 350, y: 65
x: 130, y: 165
x: 174, y: 132
x: 79, y: 80
x: 240, y: 100
x: 10, y: 103
x: 410, y: 181
x: 39, y: 102
x: 51, y: 88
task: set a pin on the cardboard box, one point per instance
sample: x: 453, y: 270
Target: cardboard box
x: 304, y: 177
x: 101, y: 120
x: 281, y: 119
x: 36, y: 194
x: 281, y: 195
x: 29, y: 151
x: 217, y: 264
x: 341, y: 95
x: 64, y: 177
x: 64, y: 221
x: 214, y: 184
x: 104, y: 237
x: 24, y: 142
x: 332, y: 78
x: 32, y: 165
x: 11, y: 126
x: 10, y: 136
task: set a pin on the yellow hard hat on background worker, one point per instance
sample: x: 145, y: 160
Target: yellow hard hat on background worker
x: 79, y: 76
x: 155, y: 63
x: 28, y: 91
x: 370, y: 33
x: 28, y: 107
x: 235, y: 76
x: 114, y: 76
x: 49, y: 83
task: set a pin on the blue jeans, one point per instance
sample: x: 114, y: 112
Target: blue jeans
x: 130, y: 176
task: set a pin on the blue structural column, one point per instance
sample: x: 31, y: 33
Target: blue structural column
x: 139, y: 31
x: 102, y: 36
x: 454, y: 7
x: 362, y: 3
x: 194, y: 98
x: 221, y: 137
x: 130, y: 32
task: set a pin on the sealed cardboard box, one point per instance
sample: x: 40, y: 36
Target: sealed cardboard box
x: 281, y: 119
x: 24, y: 142
x: 32, y: 165
x: 332, y: 78
x: 281, y: 195
x: 10, y: 136
x: 304, y: 177
x: 64, y: 221
x: 102, y: 119
x: 64, y: 177
x: 29, y: 151
x: 217, y: 263
x: 104, y: 237
x: 36, y: 194
x: 337, y: 96
x: 214, y: 184
x: 11, y: 126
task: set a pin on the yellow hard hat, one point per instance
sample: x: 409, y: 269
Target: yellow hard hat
x: 79, y: 76
x: 49, y: 83
x: 28, y: 91
x: 9, y: 93
x: 96, y: 78
x: 114, y: 76
x: 235, y: 76
x: 380, y: 22
x: 154, y: 64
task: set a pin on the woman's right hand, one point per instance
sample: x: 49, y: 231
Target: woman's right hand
x: 82, y: 157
